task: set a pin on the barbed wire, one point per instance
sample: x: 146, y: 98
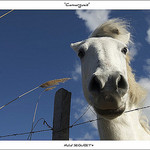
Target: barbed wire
x: 144, y: 107
x: 87, y: 108
x: 32, y: 132
x: 73, y: 125
x: 44, y: 122
x: 15, y: 134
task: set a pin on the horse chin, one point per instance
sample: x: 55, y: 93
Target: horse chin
x: 110, y: 113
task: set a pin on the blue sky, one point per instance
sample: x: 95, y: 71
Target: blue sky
x: 35, y: 48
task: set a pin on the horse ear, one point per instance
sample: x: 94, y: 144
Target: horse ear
x: 75, y: 46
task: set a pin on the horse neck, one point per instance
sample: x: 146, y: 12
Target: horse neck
x: 125, y: 127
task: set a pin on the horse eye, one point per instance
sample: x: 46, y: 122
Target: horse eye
x: 81, y: 53
x: 124, y: 50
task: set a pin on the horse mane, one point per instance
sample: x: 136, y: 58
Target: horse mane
x: 137, y: 95
x: 119, y: 29
x: 115, y: 28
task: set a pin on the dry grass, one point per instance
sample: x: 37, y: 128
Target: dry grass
x: 44, y: 85
x: 51, y: 88
x: 53, y: 82
x: 6, y: 13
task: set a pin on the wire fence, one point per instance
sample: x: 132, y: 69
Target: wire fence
x: 71, y: 126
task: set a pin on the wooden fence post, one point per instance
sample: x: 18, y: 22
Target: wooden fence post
x: 61, y: 117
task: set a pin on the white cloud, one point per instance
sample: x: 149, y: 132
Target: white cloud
x: 86, y: 136
x: 76, y: 74
x: 147, y: 67
x: 148, y: 36
x: 148, y: 31
x: 145, y: 82
x: 93, y: 18
x: 89, y: 115
x: 90, y: 135
x: 133, y: 49
x: 81, y: 107
x: 80, y: 102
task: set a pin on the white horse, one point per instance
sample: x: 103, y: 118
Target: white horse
x: 108, y: 82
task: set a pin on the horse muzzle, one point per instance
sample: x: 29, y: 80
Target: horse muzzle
x: 107, y: 96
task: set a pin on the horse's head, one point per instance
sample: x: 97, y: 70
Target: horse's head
x: 104, y: 74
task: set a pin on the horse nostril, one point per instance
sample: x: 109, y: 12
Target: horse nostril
x: 121, y: 82
x: 95, y: 84
x: 121, y: 85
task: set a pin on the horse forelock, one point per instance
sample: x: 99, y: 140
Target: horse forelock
x: 115, y: 28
